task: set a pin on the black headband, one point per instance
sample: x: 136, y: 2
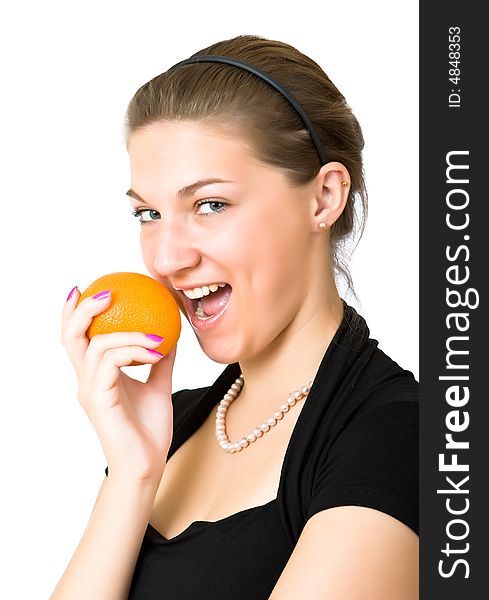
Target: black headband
x: 269, y: 80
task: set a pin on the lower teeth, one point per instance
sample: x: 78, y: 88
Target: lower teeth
x: 200, y: 311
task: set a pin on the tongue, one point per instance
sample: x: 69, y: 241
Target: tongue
x: 215, y: 301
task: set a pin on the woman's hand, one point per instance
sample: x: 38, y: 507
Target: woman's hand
x: 133, y: 420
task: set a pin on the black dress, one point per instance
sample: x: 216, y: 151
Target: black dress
x: 355, y: 442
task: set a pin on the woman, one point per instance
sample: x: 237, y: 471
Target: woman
x: 307, y: 485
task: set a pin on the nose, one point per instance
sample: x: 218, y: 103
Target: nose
x: 176, y: 248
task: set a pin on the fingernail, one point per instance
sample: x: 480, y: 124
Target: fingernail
x: 71, y: 293
x: 155, y: 352
x: 102, y: 295
x: 155, y: 338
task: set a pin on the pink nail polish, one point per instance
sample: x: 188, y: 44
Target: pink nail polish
x: 102, y: 295
x: 71, y: 293
x: 155, y: 352
x: 154, y: 338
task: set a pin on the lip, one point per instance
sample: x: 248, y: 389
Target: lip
x: 198, y: 324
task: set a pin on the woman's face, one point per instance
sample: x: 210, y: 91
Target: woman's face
x: 252, y: 231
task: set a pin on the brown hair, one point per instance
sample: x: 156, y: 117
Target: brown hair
x: 224, y: 96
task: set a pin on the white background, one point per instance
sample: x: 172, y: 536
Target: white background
x: 68, y: 73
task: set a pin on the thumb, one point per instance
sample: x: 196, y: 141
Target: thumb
x: 160, y: 374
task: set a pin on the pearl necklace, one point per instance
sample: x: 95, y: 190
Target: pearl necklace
x: 256, y: 433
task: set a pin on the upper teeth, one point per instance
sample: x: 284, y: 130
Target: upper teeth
x: 205, y: 290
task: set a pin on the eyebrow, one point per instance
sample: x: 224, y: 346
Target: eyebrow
x: 188, y: 190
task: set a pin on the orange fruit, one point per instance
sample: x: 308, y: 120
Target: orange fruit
x: 138, y: 303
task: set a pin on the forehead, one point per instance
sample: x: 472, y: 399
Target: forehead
x: 169, y: 156
x: 182, y: 142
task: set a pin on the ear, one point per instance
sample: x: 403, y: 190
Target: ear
x: 330, y: 194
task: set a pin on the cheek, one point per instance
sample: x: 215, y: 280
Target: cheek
x: 283, y: 246
x: 275, y: 268
x: 148, y: 256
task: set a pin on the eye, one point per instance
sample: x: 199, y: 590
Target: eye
x: 140, y: 211
x: 214, y: 205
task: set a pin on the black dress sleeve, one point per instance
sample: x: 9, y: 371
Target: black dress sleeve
x: 373, y: 462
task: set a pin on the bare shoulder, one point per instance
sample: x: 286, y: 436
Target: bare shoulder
x: 350, y: 553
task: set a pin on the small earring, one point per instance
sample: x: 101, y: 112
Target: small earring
x: 344, y: 183
x: 322, y: 226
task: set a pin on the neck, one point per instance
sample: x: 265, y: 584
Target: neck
x: 293, y: 358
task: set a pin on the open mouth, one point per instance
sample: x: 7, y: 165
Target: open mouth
x: 209, y: 305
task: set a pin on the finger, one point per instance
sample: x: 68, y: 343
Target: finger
x: 160, y: 375
x: 108, y: 370
x: 76, y: 320
x: 74, y: 345
x: 100, y: 344
x: 68, y: 309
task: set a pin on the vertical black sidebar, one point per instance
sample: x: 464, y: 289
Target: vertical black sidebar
x: 454, y: 241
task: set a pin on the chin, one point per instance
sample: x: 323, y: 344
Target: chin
x: 219, y: 353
